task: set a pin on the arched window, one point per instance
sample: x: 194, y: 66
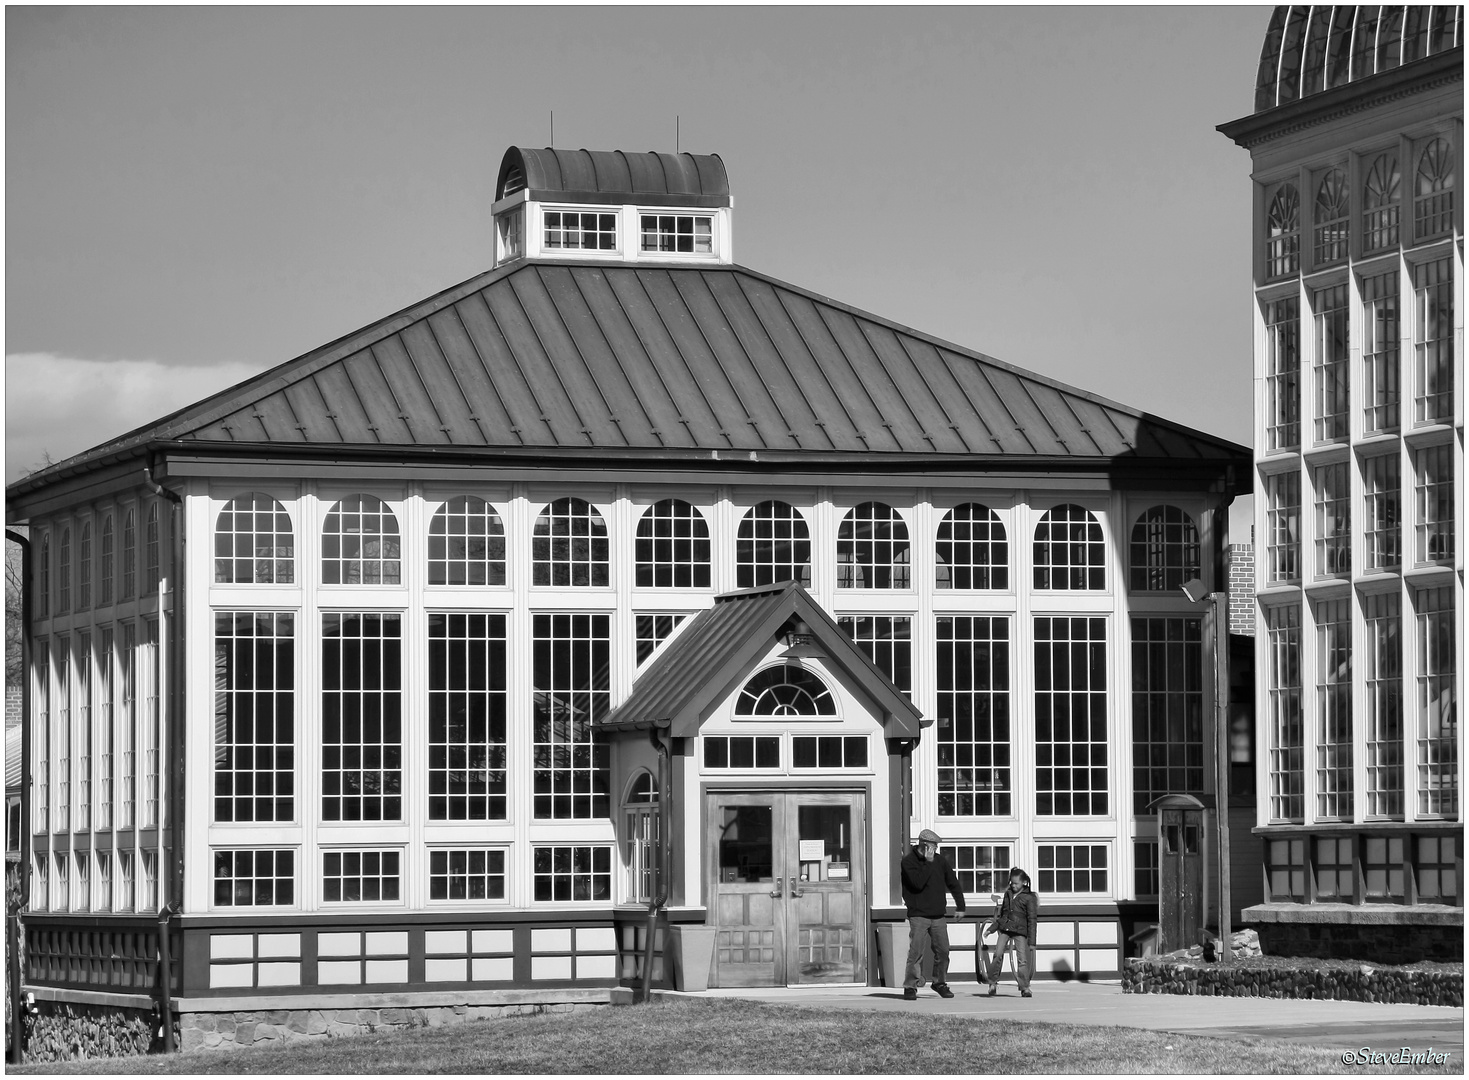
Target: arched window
x: 1382, y: 192
x: 971, y: 550
x: 672, y: 548
x: 1433, y: 208
x: 63, y: 573
x: 785, y: 691
x: 43, y: 579
x: 1283, y: 232
x: 1165, y: 550
x: 569, y: 546
x: 254, y: 542
x: 151, y: 555
x: 1069, y: 553
x: 773, y: 545
x: 105, y: 570
x: 1332, y: 217
x: 466, y: 544
x: 872, y: 549
x: 360, y: 544
x: 640, y: 836
x: 84, y: 567
x: 129, y: 556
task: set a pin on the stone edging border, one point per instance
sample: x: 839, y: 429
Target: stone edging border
x: 1364, y: 982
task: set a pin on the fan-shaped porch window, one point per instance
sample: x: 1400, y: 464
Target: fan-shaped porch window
x: 785, y: 691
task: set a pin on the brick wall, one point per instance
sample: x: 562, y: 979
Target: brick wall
x: 1240, y: 563
x: 12, y: 706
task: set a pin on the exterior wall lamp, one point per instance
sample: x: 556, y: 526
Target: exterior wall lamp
x: 799, y: 641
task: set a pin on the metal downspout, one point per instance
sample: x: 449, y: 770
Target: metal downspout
x: 13, y: 924
x: 167, y: 758
x: 660, y: 889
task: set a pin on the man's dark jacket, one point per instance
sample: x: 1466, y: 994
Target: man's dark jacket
x: 926, y: 881
x: 1018, y: 913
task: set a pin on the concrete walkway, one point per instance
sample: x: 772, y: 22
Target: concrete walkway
x: 1340, y: 1025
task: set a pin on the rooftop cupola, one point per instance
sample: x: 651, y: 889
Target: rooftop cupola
x: 612, y: 206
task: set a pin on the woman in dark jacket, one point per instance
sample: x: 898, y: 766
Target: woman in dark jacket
x: 1015, y: 925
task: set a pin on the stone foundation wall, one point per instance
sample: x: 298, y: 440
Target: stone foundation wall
x: 61, y: 1031
x: 1360, y: 983
x: 1359, y: 941
x: 240, y: 1030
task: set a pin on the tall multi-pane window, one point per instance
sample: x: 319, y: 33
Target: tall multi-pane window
x: 1164, y: 550
x: 1433, y: 342
x: 640, y: 837
x: 1433, y: 468
x: 466, y: 544
x: 1334, y: 709
x: 43, y: 578
x: 872, y: 549
x: 773, y: 544
x: 254, y: 541
x: 63, y: 735
x: 651, y: 630
x: 1283, y: 523
x: 1283, y: 373
x: 888, y: 642
x: 974, y: 755
x: 361, y: 717
x: 86, y: 737
x: 149, y: 782
x: 84, y: 567
x: 1071, y: 716
x: 1332, y: 376
x: 1433, y: 198
x: 1287, y: 734
x: 569, y: 546
x: 467, y: 674
x: 63, y: 573
x: 571, y: 657
x: 129, y: 556
x: 1382, y: 531
x: 105, y: 564
x: 1283, y: 232
x: 1333, y: 520
x: 124, y: 900
x: 1382, y: 193
x: 254, y: 716
x: 1332, y: 217
x: 127, y: 729
x: 672, y: 547
x: 106, y: 727
x: 41, y: 738
x: 1437, y: 705
x: 1069, y: 552
x: 1167, y: 708
x: 152, y: 555
x: 1383, y: 667
x: 1380, y: 348
x: 102, y: 889
x: 971, y: 551
x: 360, y: 544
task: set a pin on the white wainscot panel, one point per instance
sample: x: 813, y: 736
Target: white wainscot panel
x: 596, y: 939
x: 494, y: 941
x: 445, y: 970
x: 596, y: 967
x: 231, y: 975
x: 387, y: 942
x: 280, y: 974
x: 551, y: 940
x: 279, y: 945
x: 339, y: 944
x: 338, y: 973
x: 438, y: 942
x: 494, y: 969
x: 550, y: 967
x: 1097, y: 933
x: 387, y: 971
x: 1100, y: 960
x: 231, y: 947
x: 1055, y: 933
x: 1054, y: 960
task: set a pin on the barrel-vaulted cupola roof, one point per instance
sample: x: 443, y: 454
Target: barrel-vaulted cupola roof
x: 613, y: 176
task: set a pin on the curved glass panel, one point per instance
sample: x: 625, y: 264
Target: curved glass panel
x: 785, y: 691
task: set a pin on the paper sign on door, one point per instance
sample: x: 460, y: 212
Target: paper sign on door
x: 812, y: 850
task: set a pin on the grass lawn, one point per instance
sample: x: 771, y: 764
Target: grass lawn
x: 731, y: 1036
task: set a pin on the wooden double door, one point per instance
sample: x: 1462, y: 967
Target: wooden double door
x: 788, y: 895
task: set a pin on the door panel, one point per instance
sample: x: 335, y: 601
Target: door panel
x: 748, y: 902
x: 830, y: 922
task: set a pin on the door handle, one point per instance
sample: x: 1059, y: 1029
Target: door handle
x: 778, y: 883
x: 795, y: 892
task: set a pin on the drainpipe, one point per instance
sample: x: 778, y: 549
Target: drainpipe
x: 660, y: 889
x: 13, y: 923
x: 168, y: 806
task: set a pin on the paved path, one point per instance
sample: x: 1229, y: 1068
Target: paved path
x: 1341, y: 1025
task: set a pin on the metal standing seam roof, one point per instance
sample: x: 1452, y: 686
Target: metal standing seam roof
x: 666, y: 361
x: 12, y: 759
x: 723, y: 642
x: 547, y: 173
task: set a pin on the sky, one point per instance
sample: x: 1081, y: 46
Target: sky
x: 197, y: 194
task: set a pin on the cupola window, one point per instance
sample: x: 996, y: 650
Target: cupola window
x: 685, y: 234
x: 573, y: 230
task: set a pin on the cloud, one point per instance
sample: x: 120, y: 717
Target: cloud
x: 57, y: 406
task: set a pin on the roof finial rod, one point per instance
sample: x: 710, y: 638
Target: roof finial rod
x: 553, y: 128
x: 675, y: 133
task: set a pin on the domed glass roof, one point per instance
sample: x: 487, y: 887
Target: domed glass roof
x: 1310, y: 49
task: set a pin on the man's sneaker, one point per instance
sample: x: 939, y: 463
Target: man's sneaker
x: 943, y: 991
x: 1025, y: 993
x: 910, y: 993
x: 993, y: 991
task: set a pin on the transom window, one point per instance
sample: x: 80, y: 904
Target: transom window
x: 466, y: 544
x: 1381, y: 199
x: 1333, y: 213
x: 1069, y: 552
x: 571, y: 229
x: 254, y: 542
x: 1283, y: 232
x: 785, y: 691
x: 1165, y: 550
x: 828, y: 751
x: 741, y: 751
x: 570, y: 546
x: 672, y: 547
x: 773, y: 544
x: 971, y: 550
x: 872, y: 549
x: 360, y: 544
x: 680, y: 233
x: 1433, y: 205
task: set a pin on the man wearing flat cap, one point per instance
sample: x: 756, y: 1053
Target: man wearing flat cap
x: 928, y: 881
